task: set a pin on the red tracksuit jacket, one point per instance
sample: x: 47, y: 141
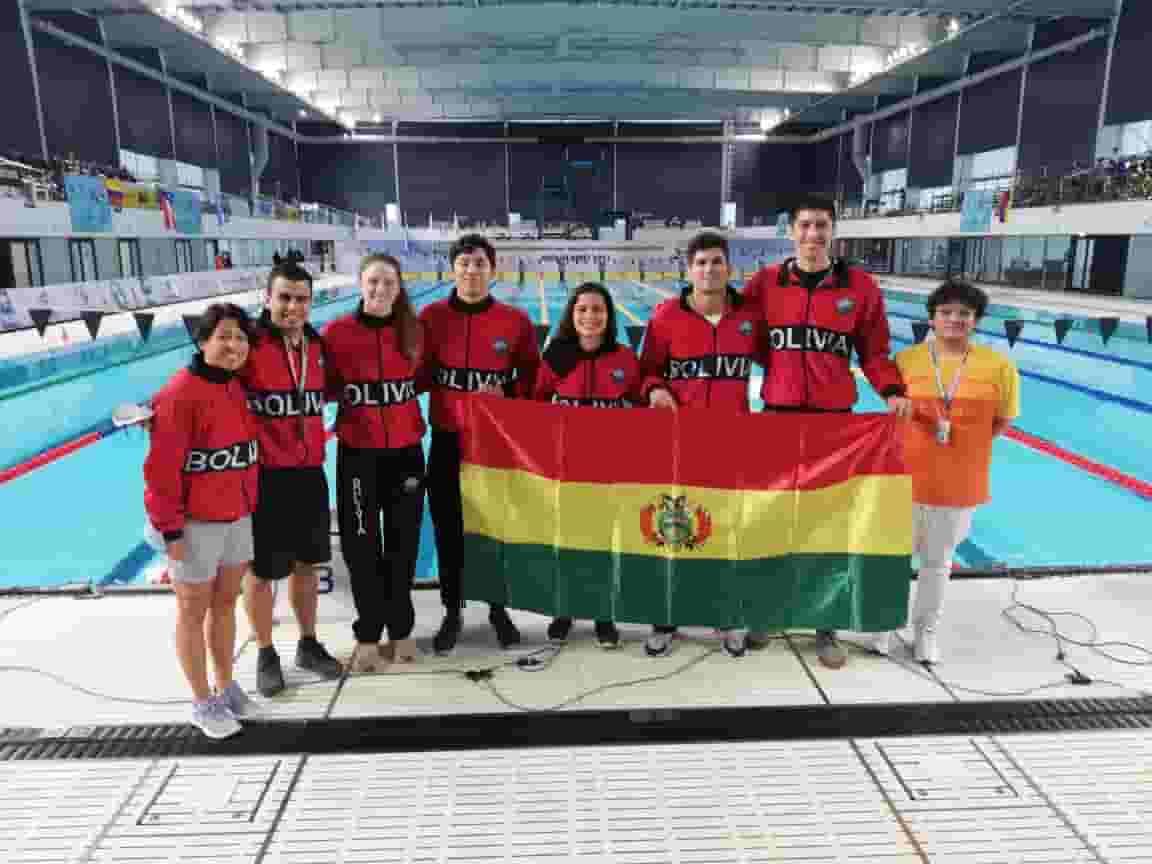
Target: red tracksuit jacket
x: 473, y: 344
x: 811, y: 335
x: 703, y: 365
x: 374, y: 383
x: 290, y: 424
x: 598, y: 379
x: 203, y: 459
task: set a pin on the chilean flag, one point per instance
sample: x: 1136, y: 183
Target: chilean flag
x: 166, y: 209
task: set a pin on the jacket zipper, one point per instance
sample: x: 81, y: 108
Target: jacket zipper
x: 467, y: 349
x: 249, y: 432
x: 380, y: 375
x: 589, y: 379
x: 804, y: 346
x: 715, y: 356
x: 300, y: 433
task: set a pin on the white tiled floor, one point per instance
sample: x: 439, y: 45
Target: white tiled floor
x: 1057, y: 799
x: 121, y: 647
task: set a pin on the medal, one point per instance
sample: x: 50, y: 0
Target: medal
x: 944, y: 422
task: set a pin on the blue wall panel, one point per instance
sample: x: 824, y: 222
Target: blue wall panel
x: 195, y: 138
x: 233, y: 153
x: 356, y: 177
x: 933, y: 140
x: 76, y: 95
x: 670, y: 180
x: 1062, y: 97
x: 20, y: 133
x: 988, y: 116
x: 446, y: 179
x: 1128, y: 99
x: 142, y: 108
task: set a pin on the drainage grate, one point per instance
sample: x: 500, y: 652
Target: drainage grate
x: 581, y: 728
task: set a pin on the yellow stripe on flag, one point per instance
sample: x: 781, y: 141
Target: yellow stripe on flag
x: 867, y: 515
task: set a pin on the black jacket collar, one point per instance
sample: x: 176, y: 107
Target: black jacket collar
x: 374, y: 322
x: 470, y: 308
x: 838, y: 271
x: 266, y: 325
x: 209, y: 373
x: 735, y: 298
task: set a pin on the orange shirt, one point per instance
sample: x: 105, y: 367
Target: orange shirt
x: 955, y: 474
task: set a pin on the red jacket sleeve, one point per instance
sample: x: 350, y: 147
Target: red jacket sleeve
x: 333, y: 382
x: 653, y: 360
x: 873, y: 346
x: 527, y: 360
x: 754, y: 296
x: 545, y: 383
x: 171, y: 438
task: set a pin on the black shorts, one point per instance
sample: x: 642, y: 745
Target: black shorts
x: 292, y: 521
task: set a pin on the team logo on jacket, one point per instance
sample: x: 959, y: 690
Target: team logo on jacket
x: 845, y: 305
x: 500, y: 346
x: 745, y: 328
x: 618, y: 375
x: 673, y: 522
x: 238, y: 457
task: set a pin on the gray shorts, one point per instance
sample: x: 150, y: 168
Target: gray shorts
x: 210, y: 544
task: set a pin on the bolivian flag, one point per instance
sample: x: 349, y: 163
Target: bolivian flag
x: 690, y: 517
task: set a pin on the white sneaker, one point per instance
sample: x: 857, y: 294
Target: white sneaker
x: 881, y: 643
x: 215, y: 719
x: 927, y: 645
x: 659, y: 644
x: 238, y: 702
x: 366, y: 659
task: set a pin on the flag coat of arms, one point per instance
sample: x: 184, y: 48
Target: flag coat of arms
x: 689, y: 517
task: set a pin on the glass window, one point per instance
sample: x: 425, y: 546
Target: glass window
x: 26, y: 270
x: 129, y: 254
x: 183, y: 256
x: 1057, y: 262
x: 1136, y: 138
x: 927, y: 256
x: 993, y: 163
x: 83, y: 255
x: 988, y: 266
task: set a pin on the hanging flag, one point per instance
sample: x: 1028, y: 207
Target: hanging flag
x: 144, y: 324
x: 1108, y: 328
x: 635, y: 335
x: 1012, y: 331
x: 40, y: 318
x: 92, y: 320
x: 1003, y: 205
x: 920, y: 330
x: 814, y: 531
x: 166, y: 209
x: 542, y: 331
x: 1062, y: 325
x: 1148, y: 327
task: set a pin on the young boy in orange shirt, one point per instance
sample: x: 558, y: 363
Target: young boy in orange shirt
x: 963, y: 395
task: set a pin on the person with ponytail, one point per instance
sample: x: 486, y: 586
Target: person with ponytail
x: 585, y: 366
x: 373, y: 355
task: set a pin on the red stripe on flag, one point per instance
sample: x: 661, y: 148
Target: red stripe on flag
x: 49, y: 456
x: 1097, y: 469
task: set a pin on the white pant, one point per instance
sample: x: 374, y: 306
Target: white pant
x: 937, y: 531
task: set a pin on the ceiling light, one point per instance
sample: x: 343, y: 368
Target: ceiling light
x: 303, y: 113
x: 953, y: 27
x: 376, y: 118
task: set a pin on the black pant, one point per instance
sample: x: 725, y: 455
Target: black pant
x: 447, y: 515
x: 374, y: 487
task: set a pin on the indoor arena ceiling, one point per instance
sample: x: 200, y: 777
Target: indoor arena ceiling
x: 787, y: 67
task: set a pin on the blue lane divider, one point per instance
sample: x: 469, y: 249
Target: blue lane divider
x: 1102, y: 395
x: 1082, y: 352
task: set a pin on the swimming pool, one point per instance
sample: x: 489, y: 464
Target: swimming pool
x: 80, y: 519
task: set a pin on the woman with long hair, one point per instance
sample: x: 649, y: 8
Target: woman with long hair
x: 373, y: 355
x: 201, y: 482
x: 584, y: 365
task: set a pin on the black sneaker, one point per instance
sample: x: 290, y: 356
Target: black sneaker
x: 444, y: 642
x: 269, y: 675
x: 559, y: 629
x: 506, y: 631
x: 313, y: 657
x: 607, y: 636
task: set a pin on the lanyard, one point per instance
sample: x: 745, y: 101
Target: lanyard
x: 298, y: 381
x: 949, y: 394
